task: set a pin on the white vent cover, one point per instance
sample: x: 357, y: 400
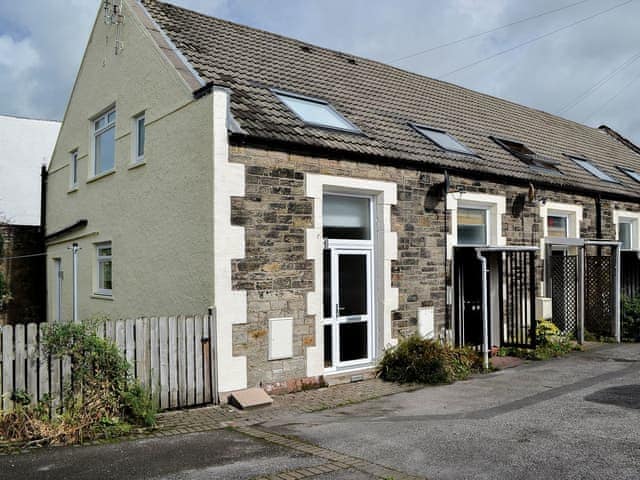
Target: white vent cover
x: 280, y: 338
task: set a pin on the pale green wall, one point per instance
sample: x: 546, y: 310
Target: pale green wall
x: 159, y: 215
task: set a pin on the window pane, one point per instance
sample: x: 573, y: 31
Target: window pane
x: 557, y: 226
x: 624, y: 235
x: 353, y: 341
x: 328, y: 346
x: 99, y: 123
x: 444, y: 140
x: 105, y: 282
x: 104, y: 251
x: 111, y: 117
x: 74, y: 168
x: 326, y: 272
x: 141, y: 137
x: 353, y: 284
x: 315, y: 112
x: 472, y: 226
x: 105, y: 151
x: 346, y: 218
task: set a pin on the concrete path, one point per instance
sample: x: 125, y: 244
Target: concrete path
x: 572, y: 418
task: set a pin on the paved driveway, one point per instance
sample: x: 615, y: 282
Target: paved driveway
x: 572, y: 418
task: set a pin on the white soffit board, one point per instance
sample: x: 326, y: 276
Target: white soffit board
x: 280, y: 338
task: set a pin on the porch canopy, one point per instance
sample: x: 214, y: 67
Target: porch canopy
x: 584, y: 287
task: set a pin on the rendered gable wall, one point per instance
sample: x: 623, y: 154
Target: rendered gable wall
x: 157, y: 215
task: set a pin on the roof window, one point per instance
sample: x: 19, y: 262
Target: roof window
x: 528, y: 156
x: 313, y: 111
x: 592, y: 169
x: 443, y: 140
x: 631, y: 173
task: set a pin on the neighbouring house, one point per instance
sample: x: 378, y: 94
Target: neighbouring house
x: 325, y: 205
x: 25, y: 148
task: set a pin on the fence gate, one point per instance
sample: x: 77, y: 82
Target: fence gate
x: 630, y: 266
x: 564, y: 292
x: 517, y: 298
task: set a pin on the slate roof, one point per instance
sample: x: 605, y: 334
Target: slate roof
x: 381, y: 101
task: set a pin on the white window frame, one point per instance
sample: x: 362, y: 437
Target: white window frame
x: 96, y: 133
x: 487, y: 223
x: 496, y: 207
x: 99, y: 260
x: 135, y: 144
x: 73, y: 174
x: 624, y: 216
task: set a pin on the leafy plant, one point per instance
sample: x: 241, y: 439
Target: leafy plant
x: 101, y: 399
x: 419, y: 360
x: 631, y: 318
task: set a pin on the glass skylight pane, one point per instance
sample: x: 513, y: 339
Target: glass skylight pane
x: 633, y: 174
x: 444, y: 140
x: 593, y: 170
x: 315, y: 112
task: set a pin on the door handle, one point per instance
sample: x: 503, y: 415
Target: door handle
x: 338, y: 309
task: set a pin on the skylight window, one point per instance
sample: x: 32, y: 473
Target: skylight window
x: 593, y: 170
x: 443, y: 140
x: 528, y: 156
x: 315, y: 112
x: 632, y: 173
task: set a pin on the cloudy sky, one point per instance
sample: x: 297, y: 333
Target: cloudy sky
x: 581, y: 60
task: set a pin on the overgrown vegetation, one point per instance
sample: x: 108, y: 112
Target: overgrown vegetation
x: 5, y: 294
x: 102, y: 399
x: 550, y: 343
x: 631, y: 319
x: 417, y: 360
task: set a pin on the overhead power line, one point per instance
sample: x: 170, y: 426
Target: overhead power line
x: 599, y: 83
x: 611, y: 99
x: 480, y: 34
x: 535, y: 39
x: 23, y: 256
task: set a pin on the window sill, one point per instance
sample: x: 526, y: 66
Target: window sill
x: 137, y: 164
x: 101, y: 175
x: 73, y: 189
x: 99, y: 296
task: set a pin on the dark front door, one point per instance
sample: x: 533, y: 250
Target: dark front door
x: 468, y: 295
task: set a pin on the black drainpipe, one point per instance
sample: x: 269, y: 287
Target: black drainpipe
x: 44, y: 174
x: 598, y: 217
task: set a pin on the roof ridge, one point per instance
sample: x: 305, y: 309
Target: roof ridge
x: 376, y: 62
x: 622, y: 139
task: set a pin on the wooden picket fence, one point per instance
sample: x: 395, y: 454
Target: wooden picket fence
x: 172, y: 356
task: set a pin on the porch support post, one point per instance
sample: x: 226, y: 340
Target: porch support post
x: 581, y: 276
x: 485, y: 313
x: 616, y: 294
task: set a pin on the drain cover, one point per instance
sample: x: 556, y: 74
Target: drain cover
x: 627, y: 396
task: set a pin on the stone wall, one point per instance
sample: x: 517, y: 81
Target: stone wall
x: 277, y: 276
x: 25, y: 276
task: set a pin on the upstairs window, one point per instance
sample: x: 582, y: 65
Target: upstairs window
x: 315, y: 112
x: 631, y: 173
x: 625, y: 234
x: 103, y: 269
x: 346, y: 218
x: 472, y: 226
x: 593, y: 170
x: 138, y: 138
x: 557, y: 226
x: 442, y: 139
x: 74, y: 169
x: 104, y: 143
x: 536, y: 162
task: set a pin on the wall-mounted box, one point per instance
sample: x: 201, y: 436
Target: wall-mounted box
x: 280, y: 338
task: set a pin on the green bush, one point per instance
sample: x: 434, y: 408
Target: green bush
x: 102, y: 399
x: 417, y: 360
x: 631, y: 319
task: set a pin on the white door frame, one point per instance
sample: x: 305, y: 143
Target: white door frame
x: 58, y: 289
x: 350, y: 247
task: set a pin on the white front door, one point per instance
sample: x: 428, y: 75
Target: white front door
x: 348, y: 327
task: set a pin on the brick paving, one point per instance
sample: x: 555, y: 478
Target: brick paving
x: 222, y: 416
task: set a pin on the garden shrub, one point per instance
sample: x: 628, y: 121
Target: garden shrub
x: 631, y: 319
x: 550, y: 343
x: 418, y: 360
x: 102, y: 399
